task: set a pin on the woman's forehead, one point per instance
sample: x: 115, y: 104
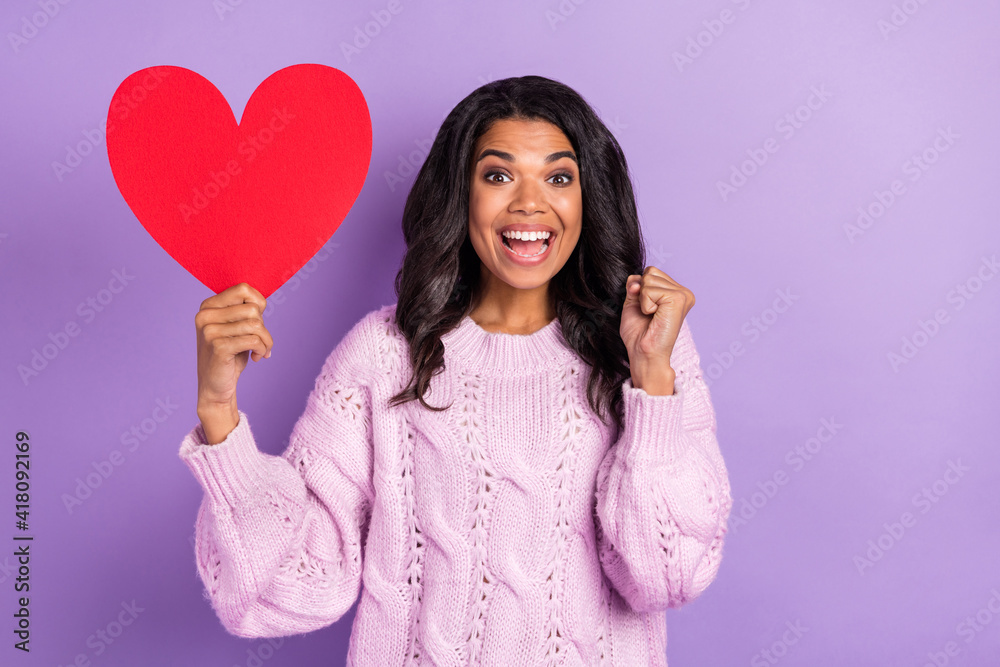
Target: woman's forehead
x: 511, y: 137
x: 522, y: 129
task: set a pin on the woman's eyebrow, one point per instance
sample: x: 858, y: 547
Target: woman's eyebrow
x: 504, y: 155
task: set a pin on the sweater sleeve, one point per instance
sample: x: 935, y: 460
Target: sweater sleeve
x: 278, y: 539
x: 662, y: 493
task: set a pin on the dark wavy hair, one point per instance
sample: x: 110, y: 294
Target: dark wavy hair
x: 438, y: 281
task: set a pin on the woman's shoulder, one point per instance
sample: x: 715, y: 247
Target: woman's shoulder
x: 379, y: 324
x: 383, y: 319
x: 372, y: 345
x: 380, y: 321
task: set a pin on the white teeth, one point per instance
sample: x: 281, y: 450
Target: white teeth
x: 545, y: 246
x: 527, y: 236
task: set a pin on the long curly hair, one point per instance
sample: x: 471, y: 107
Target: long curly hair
x: 438, y: 281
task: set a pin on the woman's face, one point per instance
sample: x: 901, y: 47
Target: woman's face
x: 524, y: 178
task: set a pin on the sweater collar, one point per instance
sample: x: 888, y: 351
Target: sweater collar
x: 481, y: 349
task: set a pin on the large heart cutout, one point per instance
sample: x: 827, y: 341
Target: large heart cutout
x: 251, y: 201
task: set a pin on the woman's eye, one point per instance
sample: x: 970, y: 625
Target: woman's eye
x: 565, y: 178
x: 491, y: 174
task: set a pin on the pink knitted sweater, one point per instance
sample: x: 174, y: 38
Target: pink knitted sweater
x: 514, y: 528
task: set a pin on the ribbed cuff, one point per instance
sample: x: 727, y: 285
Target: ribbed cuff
x: 654, y: 431
x: 232, y: 471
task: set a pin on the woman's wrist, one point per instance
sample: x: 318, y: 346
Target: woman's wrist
x: 218, y: 420
x: 656, y: 379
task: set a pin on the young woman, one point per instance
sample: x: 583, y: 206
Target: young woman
x: 517, y: 459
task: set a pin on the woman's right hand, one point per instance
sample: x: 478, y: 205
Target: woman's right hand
x: 230, y: 329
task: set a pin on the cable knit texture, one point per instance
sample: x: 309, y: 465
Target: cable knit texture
x: 514, y: 528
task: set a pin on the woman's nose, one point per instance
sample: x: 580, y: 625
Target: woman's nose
x: 528, y: 198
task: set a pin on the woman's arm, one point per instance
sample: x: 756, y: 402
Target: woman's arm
x: 663, y: 496
x: 279, y: 538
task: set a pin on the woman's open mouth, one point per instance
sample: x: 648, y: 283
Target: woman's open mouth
x: 526, y: 245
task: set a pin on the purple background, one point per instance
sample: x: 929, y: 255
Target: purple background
x: 793, y: 548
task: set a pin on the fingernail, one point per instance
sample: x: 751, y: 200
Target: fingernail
x: 268, y: 354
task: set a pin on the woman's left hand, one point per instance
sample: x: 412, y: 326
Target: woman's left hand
x: 655, y: 306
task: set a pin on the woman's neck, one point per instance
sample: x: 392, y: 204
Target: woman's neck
x: 506, y: 309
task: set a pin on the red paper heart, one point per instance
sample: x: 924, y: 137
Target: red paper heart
x: 232, y: 202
